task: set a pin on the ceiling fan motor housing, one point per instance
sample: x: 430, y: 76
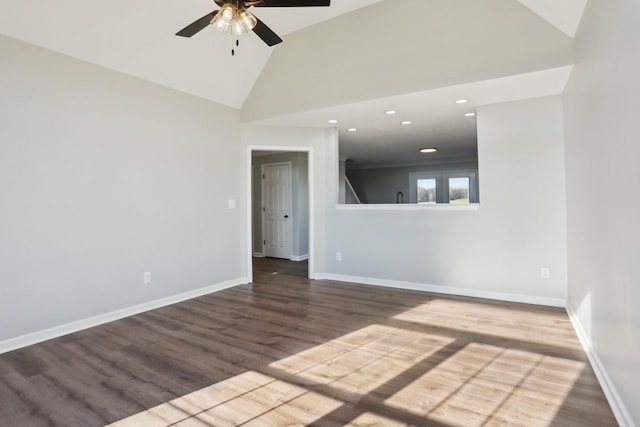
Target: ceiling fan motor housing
x: 234, y: 17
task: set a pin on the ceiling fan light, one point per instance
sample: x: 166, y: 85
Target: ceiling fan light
x: 225, y: 17
x: 247, y: 19
x: 237, y: 28
x: 243, y: 22
x: 220, y: 25
x: 227, y: 13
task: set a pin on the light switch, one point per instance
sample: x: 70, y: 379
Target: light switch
x: 232, y: 204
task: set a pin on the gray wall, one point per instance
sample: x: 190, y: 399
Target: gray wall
x: 500, y: 248
x: 602, y: 128
x: 103, y: 177
x: 381, y: 184
x: 299, y: 201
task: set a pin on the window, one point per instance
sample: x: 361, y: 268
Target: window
x: 459, y: 189
x: 427, y: 190
x: 446, y: 187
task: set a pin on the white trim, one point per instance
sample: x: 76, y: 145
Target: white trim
x: 613, y: 397
x: 249, y: 213
x: 79, y: 325
x: 299, y: 257
x: 249, y: 202
x: 411, y: 207
x: 475, y: 293
x: 312, y: 213
x: 258, y: 255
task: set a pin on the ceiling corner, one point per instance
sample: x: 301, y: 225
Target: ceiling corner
x: 565, y: 15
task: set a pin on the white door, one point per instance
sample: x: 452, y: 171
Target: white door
x: 276, y: 210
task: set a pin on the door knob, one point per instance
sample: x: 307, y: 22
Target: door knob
x: 286, y: 216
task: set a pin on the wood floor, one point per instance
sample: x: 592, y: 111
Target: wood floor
x: 288, y: 351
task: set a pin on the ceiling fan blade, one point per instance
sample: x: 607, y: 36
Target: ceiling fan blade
x: 292, y: 3
x: 197, y: 26
x: 266, y: 34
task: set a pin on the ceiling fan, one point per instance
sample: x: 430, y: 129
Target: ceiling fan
x: 234, y: 17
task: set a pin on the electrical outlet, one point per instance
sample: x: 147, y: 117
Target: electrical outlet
x: 338, y: 256
x: 545, y: 273
x: 147, y: 277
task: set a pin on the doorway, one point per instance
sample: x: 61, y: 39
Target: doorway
x: 286, y: 230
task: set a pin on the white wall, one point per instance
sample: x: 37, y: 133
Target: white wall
x: 603, y: 207
x: 497, y: 250
x: 103, y: 177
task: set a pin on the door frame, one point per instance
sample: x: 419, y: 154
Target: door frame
x: 249, y: 202
x: 290, y: 196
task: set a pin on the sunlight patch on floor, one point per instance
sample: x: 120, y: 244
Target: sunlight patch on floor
x: 403, y: 371
x: 351, y: 366
x: 362, y: 361
x: 250, y: 399
x: 369, y: 419
x: 483, y: 384
x: 492, y: 321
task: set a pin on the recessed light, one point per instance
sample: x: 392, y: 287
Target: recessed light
x: 332, y: 121
x: 406, y: 122
x: 470, y: 114
x: 391, y: 112
x: 352, y: 129
x: 428, y: 150
x: 462, y: 101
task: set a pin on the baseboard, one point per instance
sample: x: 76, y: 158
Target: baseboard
x: 293, y: 257
x: 68, y: 328
x: 500, y: 296
x: 613, y: 397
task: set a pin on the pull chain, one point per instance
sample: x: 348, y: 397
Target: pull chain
x: 237, y: 44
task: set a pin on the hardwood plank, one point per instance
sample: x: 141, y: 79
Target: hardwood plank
x: 286, y: 350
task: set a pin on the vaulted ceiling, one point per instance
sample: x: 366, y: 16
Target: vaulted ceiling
x: 348, y: 61
x: 138, y: 38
